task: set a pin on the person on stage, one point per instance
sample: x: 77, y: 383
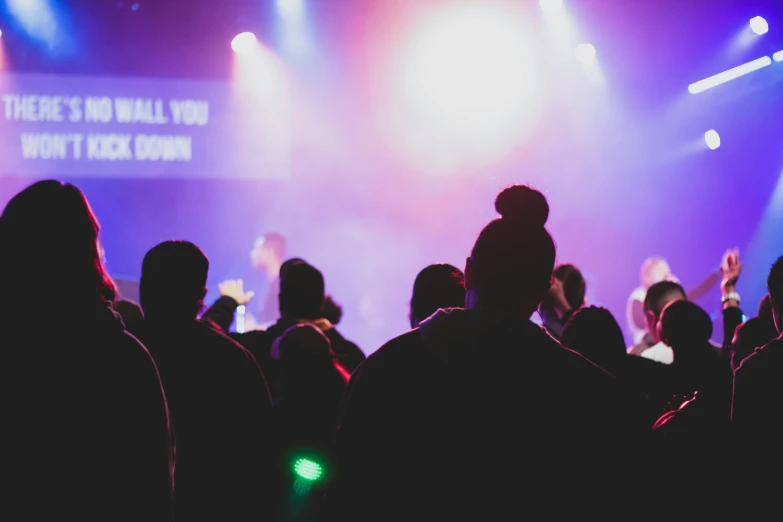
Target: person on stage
x: 267, y: 256
x: 654, y: 270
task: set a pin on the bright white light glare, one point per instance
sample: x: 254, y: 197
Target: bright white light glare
x: 243, y: 42
x: 1, y: 32
x: 731, y: 74
x: 778, y: 56
x: 462, y: 86
x: 290, y: 9
x: 551, y: 6
x: 758, y: 25
x: 712, y: 139
x: 585, y: 53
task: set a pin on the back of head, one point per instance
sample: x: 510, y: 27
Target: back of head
x: 288, y: 264
x: 594, y: 333
x: 302, y: 292
x: 303, y: 345
x: 775, y: 287
x: 660, y: 294
x: 437, y: 286
x: 574, y: 285
x: 513, y: 258
x: 574, y: 288
x: 173, y: 280
x: 684, y: 326
x: 49, y: 238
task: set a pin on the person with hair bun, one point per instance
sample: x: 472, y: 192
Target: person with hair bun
x: 478, y: 412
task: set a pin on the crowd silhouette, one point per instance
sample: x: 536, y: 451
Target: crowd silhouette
x: 157, y: 411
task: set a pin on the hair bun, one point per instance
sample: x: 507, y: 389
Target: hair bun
x: 523, y: 204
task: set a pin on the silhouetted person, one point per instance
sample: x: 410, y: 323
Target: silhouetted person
x: 85, y: 425
x: 479, y: 413
x: 565, y: 296
x: 129, y: 312
x: 267, y: 256
x: 656, y: 299
x: 594, y: 333
x: 306, y: 413
x: 436, y: 286
x: 302, y: 297
x: 654, y: 270
x: 757, y: 410
x: 219, y: 401
x: 697, y: 369
x: 753, y: 333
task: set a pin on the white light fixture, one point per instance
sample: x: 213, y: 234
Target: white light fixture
x: 243, y: 42
x: 759, y: 25
x: 731, y: 74
x: 712, y: 139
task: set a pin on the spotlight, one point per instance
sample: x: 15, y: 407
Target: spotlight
x: 550, y: 6
x: 712, y: 139
x: 585, y: 53
x: 758, y: 25
x: 290, y: 9
x: 308, y: 469
x: 1, y: 32
x: 243, y: 42
x: 778, y: 56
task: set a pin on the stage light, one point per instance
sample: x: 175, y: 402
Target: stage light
x: 712, y: 139
x: 1, y: 32
x: 731, y: 74
x: 778, y: 56
x: 462, y: 87
x: 759, y: 25
x: 243, y: 42
x: 585, y: 53
x: 550, y: 6
x: 290, y: 9
x: 308, y: 469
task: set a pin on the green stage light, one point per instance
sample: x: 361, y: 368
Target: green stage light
x: 308, y: 469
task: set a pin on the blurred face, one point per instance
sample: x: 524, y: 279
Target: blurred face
x: 259, y: 256
x: 657, y: 272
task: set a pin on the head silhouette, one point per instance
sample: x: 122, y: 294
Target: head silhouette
x: 775, y: 288
x: 302, y: 292
x: 510, y: 268
x: 658, y: 296
x: 173, y: 281
x: 288, y: 264
x: 436, y: 286
x: 49, y: 239
x: 594, y: 333
x: 574, y: 288
x: 685, y: 327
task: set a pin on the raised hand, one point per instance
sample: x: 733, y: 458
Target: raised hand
x: 234, y: 288
x: 730, y: 270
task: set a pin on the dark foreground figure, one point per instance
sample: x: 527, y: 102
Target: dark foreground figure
x: 479, y: 414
